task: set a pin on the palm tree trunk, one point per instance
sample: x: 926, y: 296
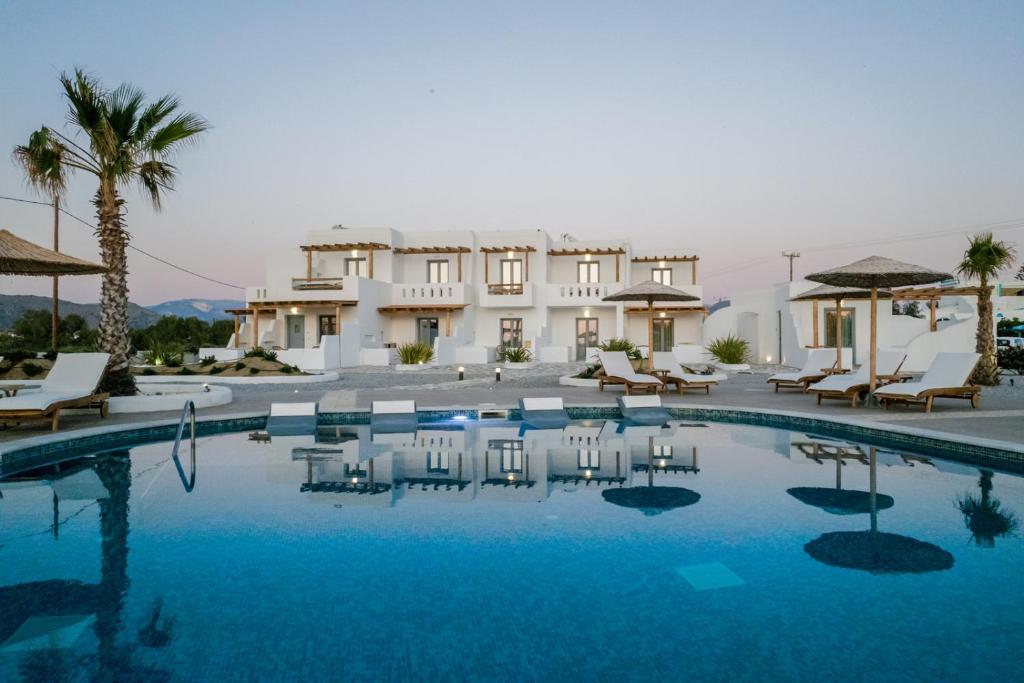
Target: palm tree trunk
x: 113, y: 331
x: 987, y: 372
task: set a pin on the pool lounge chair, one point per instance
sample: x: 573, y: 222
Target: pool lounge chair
x: 948, y: 376
x: 392, y: 417
x: 643, y: 410
x: 850, y: 387
x: 618, y: 370
x: 665, y: 361
x: 543, y: 413
x: 814, y: 370
x: 71, y: 383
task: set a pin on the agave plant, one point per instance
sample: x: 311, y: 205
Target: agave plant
x: 730, y: 349
x: 415, y: 353
x: 624, y: 345
x: 517, y: 354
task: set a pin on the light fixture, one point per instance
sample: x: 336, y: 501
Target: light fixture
x: 355, y: 480
x: 662, y: 314
x: 294, y: 310
x: 588, y: 474
x: 355, y: 253
x: 462, y: 373
x: 768, y: 358
x: 586, y: 257
x: 460, y: 417
x: 586, y: 312
x: 511, y: 477
x: 497, y: 374
x: 661, y: 264
x: 206, y: 388
x: 662, y: 464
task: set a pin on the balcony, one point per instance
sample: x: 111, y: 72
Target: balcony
x: 572, y: 295
x: 427, y: 294
x: 507, y: 296
x: 306, y: 289
x: 305, y: 284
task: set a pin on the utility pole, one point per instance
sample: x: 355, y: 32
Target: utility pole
x: 791, y: 255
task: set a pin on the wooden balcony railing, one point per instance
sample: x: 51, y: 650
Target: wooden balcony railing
x: 505, y: 289
x: 308, y: 283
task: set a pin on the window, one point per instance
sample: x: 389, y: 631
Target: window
x: 588, y: 458
x: 328, y: 325
x: 511, y: 332
x: 511, y: 271
x: 511, y: 453
x: 588, y: 272
x: 659, y: 451
x: 662, y: 276
x: 356, y: 266
x: 437, y: 463
x: 437, y: 272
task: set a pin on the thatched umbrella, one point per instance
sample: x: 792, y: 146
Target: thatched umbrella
x: 21, y: 257
x: 872, y: 273
x: 651, y: 291
x: 837, y: 294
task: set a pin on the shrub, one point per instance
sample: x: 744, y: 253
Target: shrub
x: 149, y: 371
x: 216, y: 369
x: 414, y: 353
x: 517, y: 354
x: 254, y: 371
x: 208, y: 360
x: 239, y: 365
x: 1012, y: 359
x: 172, y: 360
x: 589, y: 372
x: 621, y: 345
x: 730, y: 349
x: 31, y: 369
x: 186, y: 371
x: 50, y: 355
x: 260, y: 352
x: 287, y: 369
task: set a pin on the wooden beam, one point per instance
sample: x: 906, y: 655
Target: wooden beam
x: 432, y: 250
x: 458, y: 261
x: 873, y: 343
x: 498, y: 250
x: 370, y: 264
x: 693, y: 271
x: 236, y: 330
x: 598, y: 251
x: 309, y: 265
x: 255, y: 327
x: 839, y: 335
x: 526, y: 268
x: 347, y: 246
x: 448, y: 323
x: 814, y: 322
x: 487, y: 278
x: 671, y: 259
x: 617, y: 268
x: 933, y: 323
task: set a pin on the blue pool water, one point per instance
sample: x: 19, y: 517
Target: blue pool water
x: 482, y: 553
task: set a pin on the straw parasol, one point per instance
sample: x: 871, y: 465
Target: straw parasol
x: 21, y: 257
x: 872, y: 273
x: 837, y: 294
x: 651, y: 291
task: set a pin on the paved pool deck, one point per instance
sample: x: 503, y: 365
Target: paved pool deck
x: 1000, y: 417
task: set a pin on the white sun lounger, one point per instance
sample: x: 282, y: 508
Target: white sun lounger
x: 814, y: 370
x: 71, y: 383
x: 643, y: 410
x: 543, y: 413
x: 948, y: 377
x: 665, y: 361
x: 850, y: 387
x: 618, y: 370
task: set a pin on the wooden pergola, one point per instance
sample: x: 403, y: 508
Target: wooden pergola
x: 526, y: 251
x: 691, y: 259
x: 255, y: 309
x: 618, y: 252
x: 932, y: 296
x: 355, y: 247
x: 457, y: 250
x: 446, y: 309
x: 642, y: 310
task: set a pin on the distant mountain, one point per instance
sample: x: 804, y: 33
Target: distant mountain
x: 12, y: 306
x: 204, y: 309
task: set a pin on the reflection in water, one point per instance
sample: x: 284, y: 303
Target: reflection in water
x: 837, y: 501
x: 874, y: 550
x: 984, y: 516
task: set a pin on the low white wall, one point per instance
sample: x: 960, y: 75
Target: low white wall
x: 166, y: 397
x: 553, y: 354
x: 378, y: 357
x: 474, y: 355
x: 222, y: 355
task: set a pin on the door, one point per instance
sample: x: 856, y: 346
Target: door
x: 437, y: 272
x: 512, y: 275
x: 511, y: 332
x: 664, y: 334
x: 356, y: 266
x: 426, y: 331
x: 586, y: 336
x: 296, y: 331
x: 588, y: 272
x: 849, y: 329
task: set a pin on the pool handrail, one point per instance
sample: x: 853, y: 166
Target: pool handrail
x: 189, y: 409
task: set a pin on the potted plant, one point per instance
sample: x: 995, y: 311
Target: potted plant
x: 414, y: 356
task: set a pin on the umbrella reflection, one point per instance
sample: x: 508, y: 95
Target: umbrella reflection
x: 838, y: 501
x: 652, y: 500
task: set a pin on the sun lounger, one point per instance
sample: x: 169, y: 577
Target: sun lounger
x: 618, y: 370
x: 819, y: 361
x: 850, y: 387
x: 643, y: 410
x: 665, y: 362
x: 393, y: 416
x: 71, y: 383
x: 948, y: 377
x: 543, y: 413
x: 292, y: 419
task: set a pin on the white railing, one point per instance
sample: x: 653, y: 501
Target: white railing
x: 582, y: 294
x: 450, y: 293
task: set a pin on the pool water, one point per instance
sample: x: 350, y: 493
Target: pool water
x: 481, y: 552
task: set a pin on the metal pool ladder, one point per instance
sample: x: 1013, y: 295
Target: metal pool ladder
x: 189, y: 410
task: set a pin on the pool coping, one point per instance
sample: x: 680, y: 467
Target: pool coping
x: 1004, y: 455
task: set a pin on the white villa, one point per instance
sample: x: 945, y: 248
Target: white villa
x: 347, y: 297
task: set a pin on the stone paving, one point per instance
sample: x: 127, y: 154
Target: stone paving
x: 1001, y: 415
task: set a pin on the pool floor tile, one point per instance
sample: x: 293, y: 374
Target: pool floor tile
x: 704, y: 577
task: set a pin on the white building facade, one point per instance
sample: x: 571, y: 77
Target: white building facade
x: 348, y: 297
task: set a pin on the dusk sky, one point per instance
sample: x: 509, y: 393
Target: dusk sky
x: 733, y: 130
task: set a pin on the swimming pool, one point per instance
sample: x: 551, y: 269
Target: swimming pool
x: 479, y: 551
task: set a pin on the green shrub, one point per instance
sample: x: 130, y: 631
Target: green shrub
x: 730, y: 349
x: 589, y: 372
x: 414, y: 353
x: 149, y: 371
x: 186, y: 371
x: 1012, y: 359
x: 621, y: 345
x: 260, y: 352
x: 517, y: 354
x: 208, y: 360
x: 31, y: 369
x: 239, y: 365
x: 172, y: 360
x: 287, y: 369
x: 216, y: 369
x: 254, y: 371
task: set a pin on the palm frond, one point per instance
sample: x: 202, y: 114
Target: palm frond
x: 153, y: 116
x: 43, y: 160
x: 122, y: 105
x: 85, y: 105
x: 154, y: 177
x: 181, y: 129
x: 985, y: 257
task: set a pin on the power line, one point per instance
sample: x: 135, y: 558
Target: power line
x: 130, y: 246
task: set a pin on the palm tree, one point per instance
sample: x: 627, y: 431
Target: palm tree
x: 121, y: 140
x: 983, y: 259
x: 43, y: 161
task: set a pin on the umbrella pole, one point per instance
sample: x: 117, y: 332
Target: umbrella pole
x: 55, y: 315
x: 874, y: 342
x: 839, y: 333
x: 650, y: 334
x: 873, y: 489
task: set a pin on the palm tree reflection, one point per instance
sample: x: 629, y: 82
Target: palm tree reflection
x: 984, y: 515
